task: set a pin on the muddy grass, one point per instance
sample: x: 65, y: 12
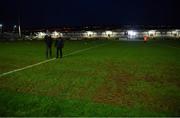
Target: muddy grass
x: 71, y: 88
x: 114, y: 88
x: 115, y: 91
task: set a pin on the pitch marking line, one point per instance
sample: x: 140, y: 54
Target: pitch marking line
x: 173, y: 47
x: 46, y: 61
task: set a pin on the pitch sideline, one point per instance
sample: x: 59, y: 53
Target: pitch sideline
x: 46, y: 61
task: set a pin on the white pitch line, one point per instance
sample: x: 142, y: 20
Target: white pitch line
x: 78, y: 51
x: 27, y: 67
x: 46, y: 61
x: 173, y: 47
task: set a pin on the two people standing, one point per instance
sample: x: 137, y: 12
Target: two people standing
x: 59, y: 44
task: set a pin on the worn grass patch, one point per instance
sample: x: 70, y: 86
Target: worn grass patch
x: 114, y: 88
x: 117, y: 79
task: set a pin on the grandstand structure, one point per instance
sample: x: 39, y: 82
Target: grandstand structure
x: 118, y: 34
x: 130, y: 34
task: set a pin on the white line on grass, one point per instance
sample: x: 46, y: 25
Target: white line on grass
x: 46, y: 61
x: 169, y: 46
x: 173, y: 47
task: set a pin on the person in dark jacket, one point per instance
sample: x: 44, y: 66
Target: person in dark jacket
x: 48, y: 41
x: 59, y: 45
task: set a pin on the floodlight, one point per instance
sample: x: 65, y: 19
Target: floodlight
x: 89, y: 33
x: 132, y: 33
x: 55, y: 33
x: 41, y: 34
x: 15, y: 26
x: 152, y: 32
x: 109, y: 32
x: 175, y: 32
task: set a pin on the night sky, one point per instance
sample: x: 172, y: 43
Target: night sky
x: 55, y: 13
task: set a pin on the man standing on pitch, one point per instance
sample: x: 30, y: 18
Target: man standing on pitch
x: 145, y: 39
x: 48, y: 41
x: 59, y: 45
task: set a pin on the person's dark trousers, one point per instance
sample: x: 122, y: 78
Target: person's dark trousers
x: 48, y: 52
x: 59, y: 50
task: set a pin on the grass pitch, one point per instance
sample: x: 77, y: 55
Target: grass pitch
x: 118, y: 78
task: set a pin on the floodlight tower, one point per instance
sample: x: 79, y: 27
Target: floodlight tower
x: 19, y: 24
x: 19, y: 29
x: 19, y: 19
x: 1, y: 26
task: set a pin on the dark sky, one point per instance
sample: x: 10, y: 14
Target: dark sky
x: 54, y: 13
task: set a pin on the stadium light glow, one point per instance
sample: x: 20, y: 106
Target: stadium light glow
x: 90, y: 34
x: 40, y: 35
x: 55, y: 34
x: 132, y: 33
x: 15, y: 26
x: 109, y: 32
x: 152, y: 32
x: 175, y: 32
x: 1, y: 28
